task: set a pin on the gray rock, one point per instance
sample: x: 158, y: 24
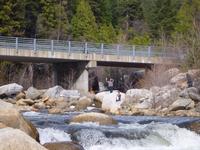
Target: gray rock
x: 10, y: 89
x: 5, y: 105
x: 181, y: 104
x: 58, y: 92
x: 192, y: 93
x: 15, y: 139
x: 32, y: 93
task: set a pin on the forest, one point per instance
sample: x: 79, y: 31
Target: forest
x: 139, y: 22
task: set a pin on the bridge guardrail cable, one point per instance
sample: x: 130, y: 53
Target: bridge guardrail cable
x: 81, y: 47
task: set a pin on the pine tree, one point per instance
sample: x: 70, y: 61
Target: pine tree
x: 53, y: 21
x: 12, y: 17
x: 83, y: 23
x: 107, y: 34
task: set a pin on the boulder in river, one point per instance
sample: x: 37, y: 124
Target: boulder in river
x: 182, y: 103
x: 83, y: 103
x: 33, y: 93
x: 10, y: 89
x: 15, y: 139
x: 100, y: 118
x: 12, y: 118
x: 63, y: 146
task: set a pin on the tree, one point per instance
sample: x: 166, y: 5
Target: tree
x: 160, y: 16
x: 83, y: 23
x: 12, y: 17
x: 32, y: 10
x: 53, y: 21
x: 107, y: 34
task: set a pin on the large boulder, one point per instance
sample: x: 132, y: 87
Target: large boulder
x: 165, y: 96
x: 109, y: 103
x: 12, y: 118
x: 192, y: 93
x: 57, y: 92
x: 5, y: 105
x: 179, y: 80
x: 139, y: 94
x: 181, y: 104
x: 15, y: 139
x: 100, y: 118
x: 33, y: 93
x: 63, y: 146
x: 10, y: 89
x: 83, y: 103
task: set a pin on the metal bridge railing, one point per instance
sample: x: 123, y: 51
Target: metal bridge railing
x: 20, y: 43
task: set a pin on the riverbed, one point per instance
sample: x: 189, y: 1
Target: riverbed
x: 132, y: 132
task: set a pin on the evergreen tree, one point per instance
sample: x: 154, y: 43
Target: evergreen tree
x: 107, y: 34
x: 32, y: 10
x: 53, y: 21
x: 160, y: 16
x: 83, y: 23
x: 12, y: 17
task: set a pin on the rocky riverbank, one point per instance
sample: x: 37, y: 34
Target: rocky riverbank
x: 174, y: 99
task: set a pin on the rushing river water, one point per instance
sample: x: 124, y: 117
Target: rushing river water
x: 132, y: 132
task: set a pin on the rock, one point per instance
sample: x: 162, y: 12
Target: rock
x: 194, y: 126
x: 143, y: 105
x: 138, y: 94
x: 58, y: 92
x: 83, y: 103
x: 15, y: 139
x: 33, y: 93
x: 24, y: 102
x: 63, y: 146
x: 182, y: 103
x: 97, y: 103
x: 192, y: 93
x: 10, y: 89
x: 197, y: 107
x: 172, y: 72
x: 100, y: 118
x: 179, y: 80
x: 60, y: 107
x: 165, y: 96
x: 5, y: 105
x: 12, y: 118
x: 39, y: 105
x: 109, y: 103
x: 20, y: 95
x: 2, y: 125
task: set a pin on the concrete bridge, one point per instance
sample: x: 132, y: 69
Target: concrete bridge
x: 84, y: 55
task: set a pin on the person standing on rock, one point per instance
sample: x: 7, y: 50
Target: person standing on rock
x: 118, y: 98
x: 189, y: 80
x: 110, y: 84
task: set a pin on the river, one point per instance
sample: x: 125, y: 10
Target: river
x: 132, y: 132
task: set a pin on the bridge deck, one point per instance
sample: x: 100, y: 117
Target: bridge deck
x: 37, y: 50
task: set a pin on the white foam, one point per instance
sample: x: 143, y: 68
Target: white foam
x: 52, y: 135
x: 163, y: 137
x: 32, y: 113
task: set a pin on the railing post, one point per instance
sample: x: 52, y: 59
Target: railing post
x: 149, y: 51
x: 69, y: 47
x: 16, y: 44
x: 102, y: 48
x: 118, y: 50
x: 86, y: 50
x: 52, y: 44
x: 133, y: 51
x: 34, y: 45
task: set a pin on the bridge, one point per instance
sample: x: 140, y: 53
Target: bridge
x: 86, y: 54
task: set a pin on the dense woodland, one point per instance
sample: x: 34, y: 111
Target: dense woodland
x: 145, y: 22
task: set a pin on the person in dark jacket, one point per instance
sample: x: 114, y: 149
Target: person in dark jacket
x: 189, y: 80
x: 110, y: 84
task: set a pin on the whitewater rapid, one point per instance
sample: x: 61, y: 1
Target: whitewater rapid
x: 131, y: 136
